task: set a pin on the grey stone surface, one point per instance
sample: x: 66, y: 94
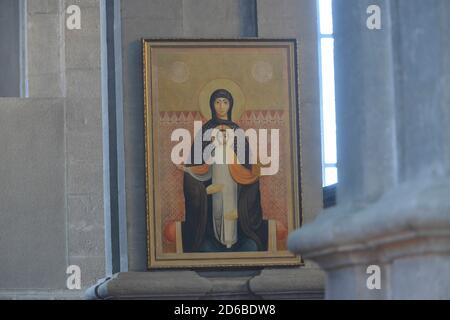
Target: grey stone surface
x: 297, y: 19
x: 151, y: 285
x: 83, y: 222
x: 44, y: 6
x: 45, y: 50
x: 84, y: 145
x: 155, y: 10
x: 45, y: 85
x: 211, y: 18
x: 249, y: 17
x: 52, y: 184
x: 230, y: 288
x: 44, y: 53
x: 350, y: 283
x: 82, y: 114
x: 27, y: 294
x: 10, y: 49
x: 83, y: 51
x: 92, y: 268
x: 392, y: 108
x: 32, y: 209
x: 83, y: 83
x: 429, y: 273
x: 421, y: 84
x: 371, y: 108
x: 289, y: 283
x: 83, y: 177
x: 302, y: 283
x: 140, y: 19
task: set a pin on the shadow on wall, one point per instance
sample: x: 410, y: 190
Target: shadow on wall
x: 329, y: 196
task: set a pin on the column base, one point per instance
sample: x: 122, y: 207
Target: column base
x: 406, y: 234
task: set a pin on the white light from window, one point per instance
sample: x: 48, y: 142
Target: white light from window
x: 326, y: 17
x: 328, y: 101
x: 329, y: 159
x: 331, y: 176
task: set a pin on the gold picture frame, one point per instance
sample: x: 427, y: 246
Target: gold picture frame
x: 262, y: 78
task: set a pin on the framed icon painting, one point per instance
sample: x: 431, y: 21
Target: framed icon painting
x: 222, y: 152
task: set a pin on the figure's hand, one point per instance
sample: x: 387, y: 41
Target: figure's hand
x: 214, y: 188
x: 181, y: 167
x: 231, y: 216
x: 256, y: 169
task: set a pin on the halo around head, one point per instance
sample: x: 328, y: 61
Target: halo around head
x: 232, y: 87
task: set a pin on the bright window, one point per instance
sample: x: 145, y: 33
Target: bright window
x: 328, y: 112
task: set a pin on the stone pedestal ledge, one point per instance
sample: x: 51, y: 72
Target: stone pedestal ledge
x: 300, y: 283
x: 274, y: 283
x: 151, y: 285
x: 417, y: 209
x: 406, y: 234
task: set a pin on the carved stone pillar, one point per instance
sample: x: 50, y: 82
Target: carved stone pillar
x: 393, y: 115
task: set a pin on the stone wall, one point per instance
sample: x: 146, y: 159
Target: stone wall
x: 52, y: 159
x: 10, y: 47
x: 56, y: 171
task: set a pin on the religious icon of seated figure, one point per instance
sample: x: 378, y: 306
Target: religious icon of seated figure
x: 223, y: 210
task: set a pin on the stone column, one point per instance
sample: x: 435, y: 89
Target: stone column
x: 393, y: 110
